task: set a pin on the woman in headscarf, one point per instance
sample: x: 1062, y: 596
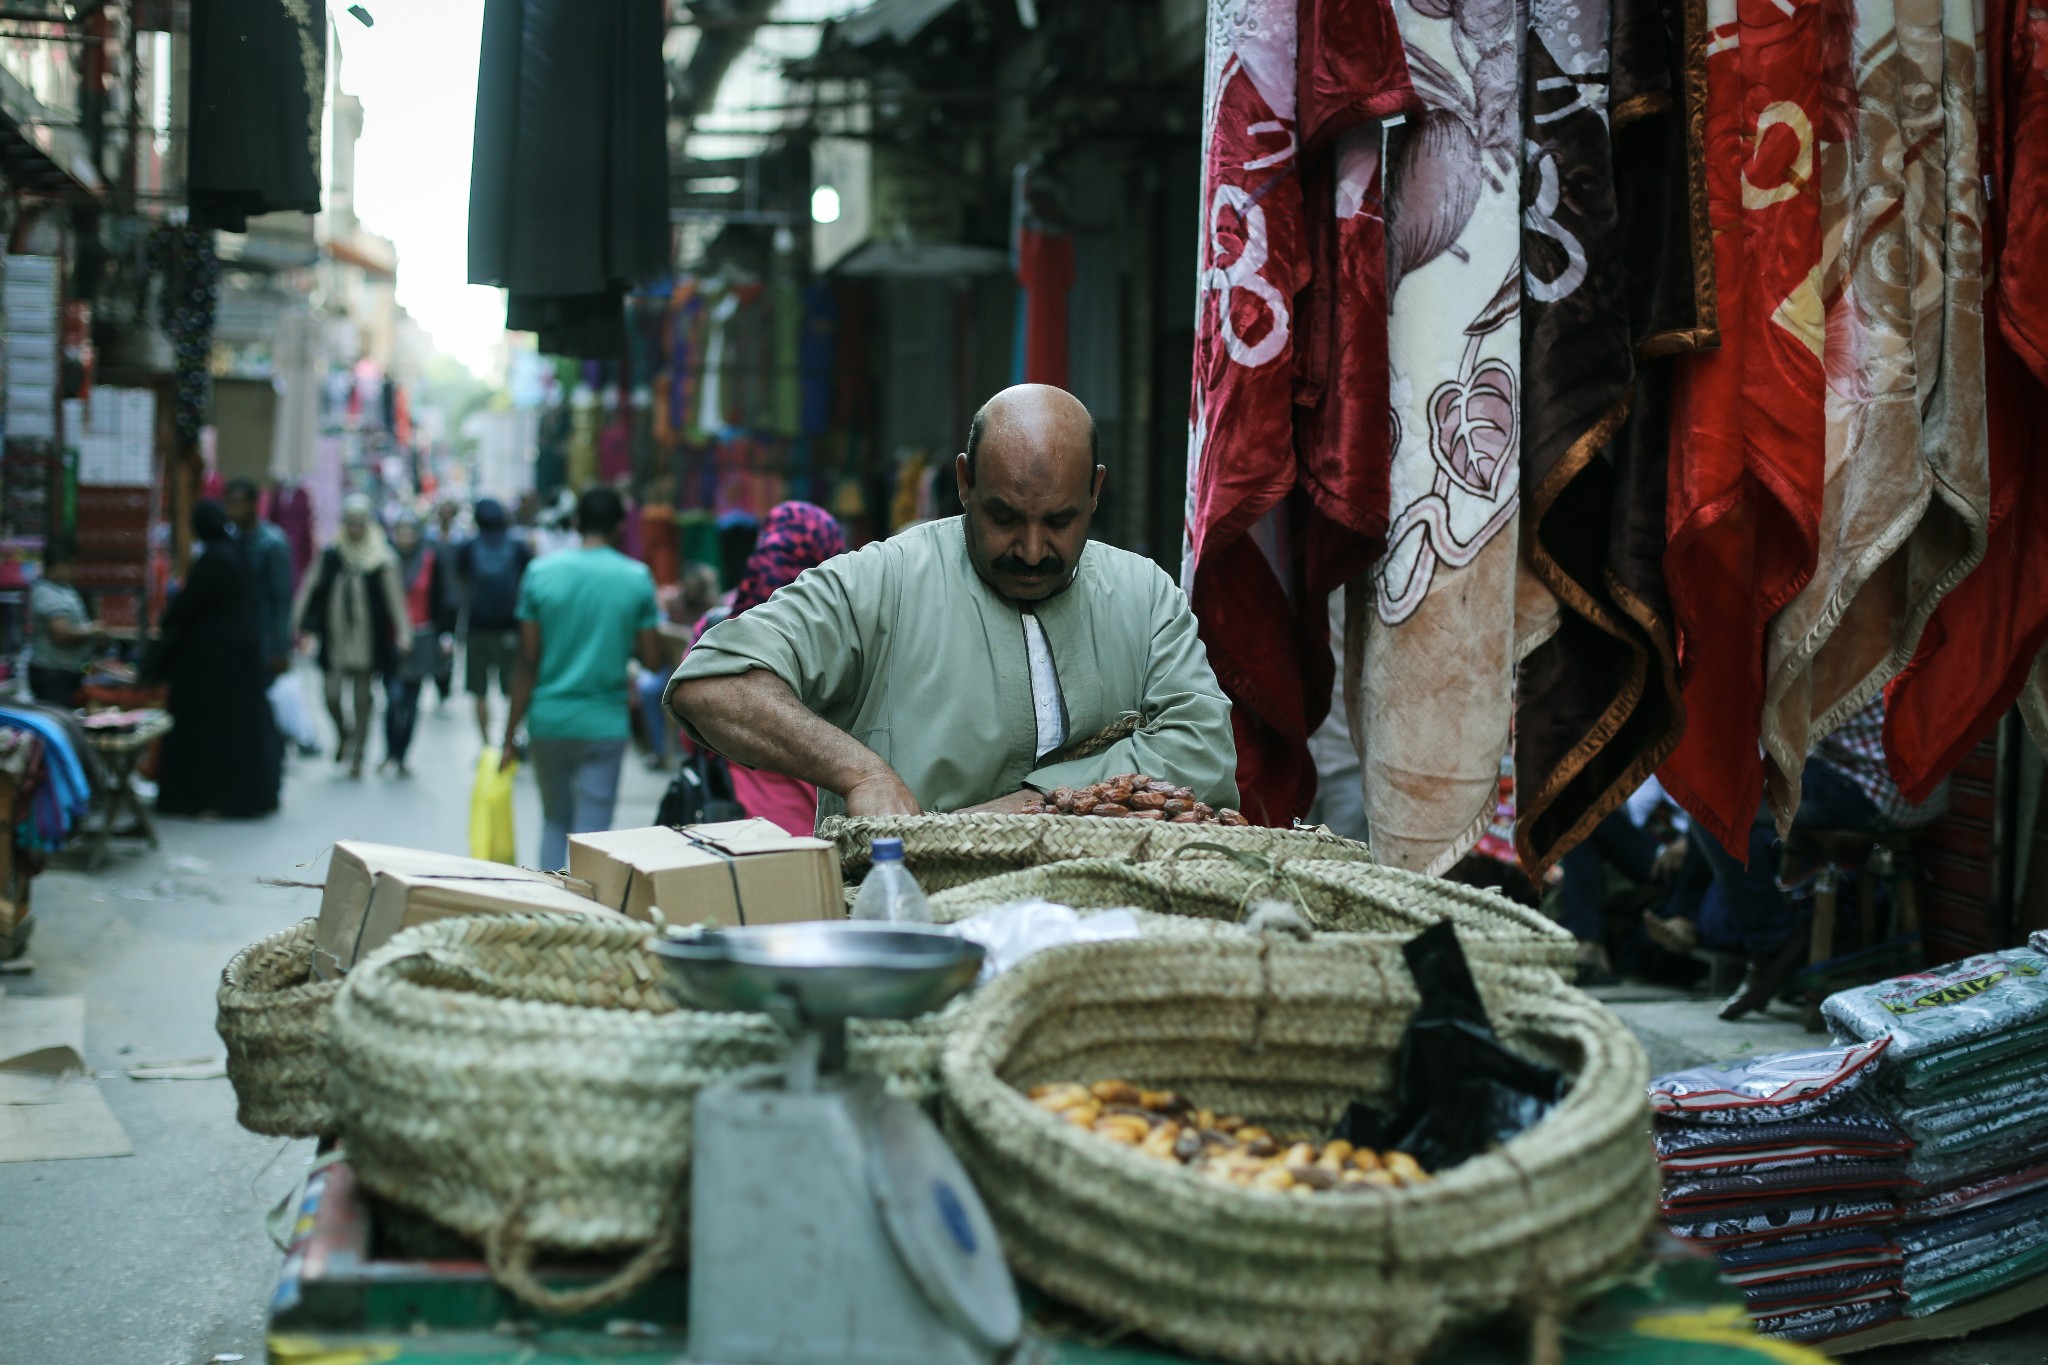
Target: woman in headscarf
x: 222, y: 755
x: 354, y: 605
x: 796, y: 536
x: 429, y: 615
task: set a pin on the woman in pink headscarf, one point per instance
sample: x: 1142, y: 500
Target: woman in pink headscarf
x: 797, y: 536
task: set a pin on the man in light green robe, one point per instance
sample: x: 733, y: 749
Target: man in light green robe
x: 907, y: 677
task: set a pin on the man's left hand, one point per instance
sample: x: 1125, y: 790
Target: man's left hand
x: 1013, y: 804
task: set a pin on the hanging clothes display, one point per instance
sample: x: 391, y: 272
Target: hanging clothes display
x: 182, y: 262
x: 1983, y: 640
x: 258, y: 90
x: 568, y: 202
x: 1286, y: 89
x: 1618, y: 274
x: 1437, y: 643
x: 1907, y: 482
x: 1748, y: 424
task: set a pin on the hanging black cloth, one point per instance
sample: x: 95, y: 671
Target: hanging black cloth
x: 259, y: 86
x: 568, y: 190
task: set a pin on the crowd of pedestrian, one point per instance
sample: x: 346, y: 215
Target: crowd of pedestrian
x: 571, y: 632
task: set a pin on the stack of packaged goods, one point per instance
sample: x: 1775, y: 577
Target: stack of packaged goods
x: 1785, y: 1170
x: 1963, y: 1079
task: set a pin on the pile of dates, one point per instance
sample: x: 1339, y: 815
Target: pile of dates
x: 1224, y: 1147
x: 1134, y: 796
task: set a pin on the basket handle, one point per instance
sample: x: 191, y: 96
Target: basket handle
x: 509, y: 1253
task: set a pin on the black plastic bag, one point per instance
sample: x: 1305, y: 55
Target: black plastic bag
x: 1458, y: 1090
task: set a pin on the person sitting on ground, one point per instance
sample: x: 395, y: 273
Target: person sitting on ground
x: 1627, y: 842
x: 1845, y: 785
x: 947, y: 668
x: 584, y: 615
x: 65, y: 632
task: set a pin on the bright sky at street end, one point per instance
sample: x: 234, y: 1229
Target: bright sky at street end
x: 415, y: 73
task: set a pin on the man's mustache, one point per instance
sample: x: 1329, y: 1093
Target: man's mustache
x: 1050, y: 566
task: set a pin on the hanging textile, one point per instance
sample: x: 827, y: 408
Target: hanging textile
x: 1984, y: 638
x: 568, y: 196
x: 1748, y: 425
x: 1291, y: 311
x: 258, y: 91
x: 1618, y: 275
x: 1250, y: 266
x: 1436, y: 646
x: 181, y: 260
x: 1352, y: 77
x: 1903, y: 517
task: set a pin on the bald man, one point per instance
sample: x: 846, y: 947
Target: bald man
x: 948, y: 668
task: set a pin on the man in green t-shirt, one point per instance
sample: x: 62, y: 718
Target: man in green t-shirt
x: 583, y: 616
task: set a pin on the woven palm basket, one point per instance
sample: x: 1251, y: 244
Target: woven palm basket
x: 272, y: 1016
x: 1350, y: 897
x: 527, y: 1082
x: 1288, y: 1032
x: 945, y: 851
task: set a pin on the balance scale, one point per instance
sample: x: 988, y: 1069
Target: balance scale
x: 830, y: 1224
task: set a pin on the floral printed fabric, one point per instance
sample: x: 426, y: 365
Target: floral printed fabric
x: 797, y: 536
x: 1434, y: 690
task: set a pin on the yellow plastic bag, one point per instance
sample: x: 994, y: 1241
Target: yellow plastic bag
x: 490, y: 811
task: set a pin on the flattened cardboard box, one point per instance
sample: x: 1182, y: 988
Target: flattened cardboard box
x: 374, y: 890
x: 739, y: 872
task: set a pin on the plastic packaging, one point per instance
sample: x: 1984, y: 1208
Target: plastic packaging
x: 889, y: 893
x: 1015, y: 931
x: 1766, y: 1089
x: 1964, y: 1015
x: 1458, y: 1090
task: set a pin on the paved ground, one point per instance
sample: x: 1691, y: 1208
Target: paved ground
x: 161, y: 1258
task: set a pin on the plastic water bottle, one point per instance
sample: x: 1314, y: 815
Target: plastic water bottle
x: 889, y: 893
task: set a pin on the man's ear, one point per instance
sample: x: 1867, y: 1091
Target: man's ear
x: 1095, y: 493
x: 962, y: 479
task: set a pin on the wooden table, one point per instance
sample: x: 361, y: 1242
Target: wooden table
x: 119, y: 752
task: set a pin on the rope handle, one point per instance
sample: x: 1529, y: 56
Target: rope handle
x: 509, y: 1253
x: 1260, y: 863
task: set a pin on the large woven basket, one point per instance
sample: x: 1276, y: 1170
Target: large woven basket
x: 945, y: 851
x: 1288, y: 1032
x: 526, y: 1081
x: 1351, y: 897
x: 272, y: 1016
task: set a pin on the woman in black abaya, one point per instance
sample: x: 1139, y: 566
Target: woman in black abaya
x: 222, y: 756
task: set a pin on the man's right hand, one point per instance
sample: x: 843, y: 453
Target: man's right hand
x: 882, y: 794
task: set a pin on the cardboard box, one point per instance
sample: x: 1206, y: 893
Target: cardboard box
x: 740, y: 872
x: 374, y: 890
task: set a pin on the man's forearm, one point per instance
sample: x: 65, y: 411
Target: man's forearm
x: 753, y: 718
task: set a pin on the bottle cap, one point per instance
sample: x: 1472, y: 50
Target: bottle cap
x: 886, y: 851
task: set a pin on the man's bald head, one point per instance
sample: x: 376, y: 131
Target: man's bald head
x: 1030, y: 417
x: 1028, y: 482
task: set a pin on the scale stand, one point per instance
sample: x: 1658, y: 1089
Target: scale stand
x: 830, y: 1224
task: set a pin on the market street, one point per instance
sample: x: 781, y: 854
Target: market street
x: 162, y: 1258
x: 173, y: 1239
